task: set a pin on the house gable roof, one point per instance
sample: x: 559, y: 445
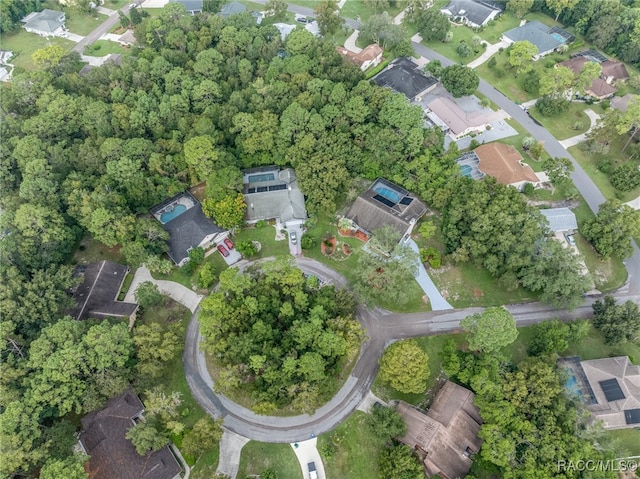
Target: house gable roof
x: 367, y: 54
x: 370, y: 211
x: 447, y: 433
x: 188, y: 229
x: 112, y: 454
x: 600, y: 373
x: 537, y: 33
x: 96, y: 296
x: 475, y: 12
x: 232, y: 8
x: 276, y: 196
x: 190, y: 5
x: 615, y: 70
x: 600, y: 88
x: 404, y: 76
x: 560, y: 219
x: 45, y: 21
x: 456, y: 119
x: 503, y: 162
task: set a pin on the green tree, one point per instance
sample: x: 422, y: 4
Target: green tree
x: 377, y: 5
x: 70, y: 468
x: 228, y: 213
x: 583, y: 80
x: 558, y: 170
x: 549, y: 337
x: 226, y: 181
x: 246, y: 248
x: 490, y: 330
x: 464, y: 49
x: 405, y: 367
x: 385, y: 423
x: 531, y: 82
x: 48, y: 57
x: 400, y: 463
x: 459, y: 80
x: 145, y: 437
x: 558, y: 6
x: 617, y: 322
x: 386, y: 238
x: 519, y: 7
x: 380, y: 29
x: 556, y: 81
x: 328, y: 17
x: 611, y: 230
x: 432, y: 25
x: 276, y: 8
x: 629, y: 120
x: 384, y: 280
x: 204, y: 436
x: 519, y: 56
x: 155, y: 346
x: 148, y: 295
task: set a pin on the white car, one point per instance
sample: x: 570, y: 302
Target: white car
x: 570, y: 239
x: 293, y: 236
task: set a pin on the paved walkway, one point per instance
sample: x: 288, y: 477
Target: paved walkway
x: 397, y: 20
x: 231, y: 446
x: 438, y: 303
x: 491, y: 49
x: 187, y: 469
x: 105, y: 11
x: 368, y: 402
x: 350, y: 42
x: 73, y: 37
x: 635, y: 204
x: 574, y: 140
x: 306, y: 452
x: 175, y: 291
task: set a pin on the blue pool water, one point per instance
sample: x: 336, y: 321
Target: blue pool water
x: 387, y: 193
x: 466, y: 170
x: 572, y: 385
x: 173, y: 213
x: 263, y: 177
x: 558, y: 37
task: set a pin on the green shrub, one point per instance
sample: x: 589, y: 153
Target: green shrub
x: 246, y: 248
x: 261, y: 224
x: 307, y: 241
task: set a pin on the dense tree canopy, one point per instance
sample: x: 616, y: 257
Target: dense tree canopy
x: 278, y: 333
x: 459, y: 80
x: 611, y: 230
x: 490, y: 330
x: 617, y: 322
x: 405, y: 367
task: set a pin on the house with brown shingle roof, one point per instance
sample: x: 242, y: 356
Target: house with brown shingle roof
x: 370, y: 56
x: 505, y: 164
x: 453, y: 120
x: 447, y: 435
x: 614, y: 71
x: 111, y: 454
x: 601, y: 87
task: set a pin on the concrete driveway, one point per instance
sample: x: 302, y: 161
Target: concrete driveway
x: 295, y: 226
x: 438, y: 303
x: 175, y: 291
x: 307, y: 452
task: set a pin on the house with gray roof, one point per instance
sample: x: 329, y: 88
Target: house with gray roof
x: 386, y: 203
x: 182, y: 217
x: 111, y: 454
x: 272, y: 193
x: 97, y: 295
x: 561, y: 220
x: 47, y: 23
x: 191, y: 6
x: 404, y: 76
x: 474, y: 14
x: 610, y: 388
x: 232, y: 8
x: 546, y: 39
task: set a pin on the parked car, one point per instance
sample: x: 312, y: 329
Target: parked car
x: 293, y: 236
x: 313, y: 474
x: 301, y: 18
x: 223, y: 250
x: 229, y: 243
x: 570, y: 239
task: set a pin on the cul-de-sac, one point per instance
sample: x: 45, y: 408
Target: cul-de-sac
x: 319, y: 239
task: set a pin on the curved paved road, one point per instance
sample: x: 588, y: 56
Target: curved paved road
x: 381, y: 327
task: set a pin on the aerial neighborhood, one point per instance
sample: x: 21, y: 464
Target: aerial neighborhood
x: 320, y: 239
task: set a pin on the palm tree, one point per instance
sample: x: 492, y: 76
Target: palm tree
x: 345, y: 223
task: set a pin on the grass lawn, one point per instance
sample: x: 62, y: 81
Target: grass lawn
x: 561, y: 126
x: 258, y: 7
x: 591, y: 164
x: 346, y: 266
x: 258, y: 456
x: 102, y: 48
x: 354, y: 8
x: 449, y: 49
x: 82, y: 23
x: 266, y: 236
x: 23, y: 44
x: 89, y: 251
x: 353, y: 451
x: 190, y: 280
x: 626, y: 442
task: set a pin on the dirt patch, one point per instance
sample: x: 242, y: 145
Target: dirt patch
x: 478, y: 293
x: 199, y: 190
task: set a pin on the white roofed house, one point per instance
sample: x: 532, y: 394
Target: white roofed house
x: 474, y: 13
x: 47, y: 23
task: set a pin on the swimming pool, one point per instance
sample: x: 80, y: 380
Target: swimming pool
x: 466, y: 170
x: 572, y: 385
x: 387, y: 193
x: 171, y: 212
x: 260, y: 178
